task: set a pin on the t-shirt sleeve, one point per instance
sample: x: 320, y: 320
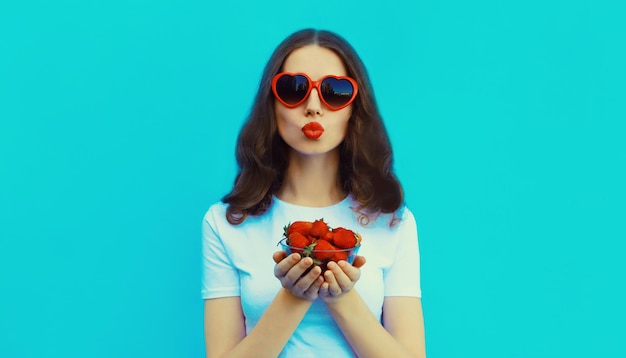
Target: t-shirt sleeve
x: 402, y: 278
x: 220, y: 278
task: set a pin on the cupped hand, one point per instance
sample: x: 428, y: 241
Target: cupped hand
x: 292, y: 272
x: 340, y: 278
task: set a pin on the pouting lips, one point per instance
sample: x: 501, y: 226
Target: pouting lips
x: 313, y: 130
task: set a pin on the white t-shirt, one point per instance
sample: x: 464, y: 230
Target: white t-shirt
x: 237, y: 261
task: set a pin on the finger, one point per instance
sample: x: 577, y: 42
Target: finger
x: 333, y: 286
x: 343, y: 281
x: 351, y: 272
x: 295, y: 272
x: 279, y: 256
x: 282, y: 268
x: 308, y: 278
x: 313, y: 291
x: 323, y: 292
x: 359, y: 261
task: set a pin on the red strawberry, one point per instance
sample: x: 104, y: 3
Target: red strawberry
x: 303, y: 227
x: 329, y: 236
x: 298, y: 242
x: 323, y: 245
x: 319, y: 228
x: 340, y: 255
x: 344, y: 238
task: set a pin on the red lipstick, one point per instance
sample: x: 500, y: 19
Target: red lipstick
x: 313, y: 130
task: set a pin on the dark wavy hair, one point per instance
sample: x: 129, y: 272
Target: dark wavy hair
x: 365, y: 167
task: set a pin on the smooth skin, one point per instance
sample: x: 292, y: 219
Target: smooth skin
x: 312, y: 179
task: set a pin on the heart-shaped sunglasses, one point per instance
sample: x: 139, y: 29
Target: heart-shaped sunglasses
x: 292, y: 89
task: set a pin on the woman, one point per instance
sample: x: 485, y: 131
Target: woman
x: 313, y: 147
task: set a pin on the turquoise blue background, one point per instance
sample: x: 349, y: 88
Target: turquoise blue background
x: 118, y: 122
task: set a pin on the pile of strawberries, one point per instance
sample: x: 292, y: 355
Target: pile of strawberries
x: 318, y: 241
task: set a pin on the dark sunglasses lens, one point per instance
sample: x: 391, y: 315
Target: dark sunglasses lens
x: 292, y: 89
x: 336, y: 92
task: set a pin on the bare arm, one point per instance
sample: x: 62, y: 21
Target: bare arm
x: 225, y: 328
x: 401, y: 336
x: 224, y: 325
x: 224, y: 322
x: 402, y: 331
x: 404, y: 320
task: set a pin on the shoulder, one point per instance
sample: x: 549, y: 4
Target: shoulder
x: 406, y: 217
x: 215, y: 218
x: 216, y: 213
x: 216, y: 209
x: 404, y: 223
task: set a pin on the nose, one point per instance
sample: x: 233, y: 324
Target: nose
x: 313, y: 104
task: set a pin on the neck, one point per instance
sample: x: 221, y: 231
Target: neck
x: 312, y: 180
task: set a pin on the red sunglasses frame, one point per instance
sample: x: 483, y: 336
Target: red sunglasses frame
x: 316, y: 85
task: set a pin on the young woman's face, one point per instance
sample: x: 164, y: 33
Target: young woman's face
x: 316, y: 62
